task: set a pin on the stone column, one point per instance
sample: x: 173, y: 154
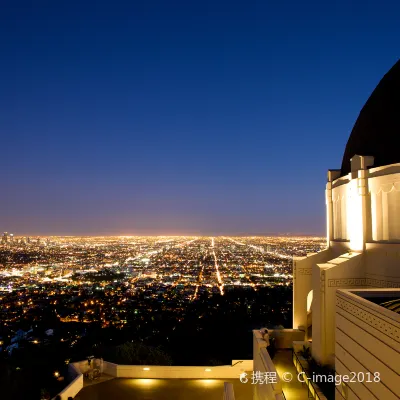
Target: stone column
x: 332, y: 175
x: 359, y: 205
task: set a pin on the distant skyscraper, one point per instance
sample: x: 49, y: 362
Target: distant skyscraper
x: 4, y: 239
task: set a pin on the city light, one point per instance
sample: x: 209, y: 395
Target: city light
x: 125, y: 282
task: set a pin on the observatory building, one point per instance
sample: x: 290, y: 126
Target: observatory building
x: 344, y: 297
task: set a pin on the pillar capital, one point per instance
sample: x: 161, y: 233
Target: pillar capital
x: 333, y: 174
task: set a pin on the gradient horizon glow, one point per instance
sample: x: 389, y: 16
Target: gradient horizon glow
x: 194, y: 118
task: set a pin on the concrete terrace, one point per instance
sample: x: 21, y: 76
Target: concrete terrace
x: 164, y: 389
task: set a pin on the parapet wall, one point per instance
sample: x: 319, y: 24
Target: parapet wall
x: 367, y: 343
x: 264, y: 364
x: 75, y: 386
x: 173, y: 372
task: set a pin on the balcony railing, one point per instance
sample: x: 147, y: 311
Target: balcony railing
x: 314, y: 392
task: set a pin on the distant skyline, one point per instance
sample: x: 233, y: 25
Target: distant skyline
x: 161, y: 235
x: 195, y: 118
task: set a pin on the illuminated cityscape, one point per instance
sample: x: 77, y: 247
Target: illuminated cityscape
x: 65, y: 297
x: 51, y: 271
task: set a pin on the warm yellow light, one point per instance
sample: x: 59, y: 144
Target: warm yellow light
x: 146, y: 369
x: 56, y: 374
x: 208, y: 369
x: 145, y: 382
x: 354, y: 217
x: 207, y: 382
x: 374, y: 219
x: 309, y: 300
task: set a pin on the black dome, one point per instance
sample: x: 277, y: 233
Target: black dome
x: 378, y: 125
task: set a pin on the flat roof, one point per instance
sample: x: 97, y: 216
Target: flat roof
x: 385, y: 301
x: 164, y: 389
x: 368, y: 293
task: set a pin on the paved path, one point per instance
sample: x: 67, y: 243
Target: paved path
x: 294, y: 390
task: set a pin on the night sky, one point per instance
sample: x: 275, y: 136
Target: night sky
x: 181, y: 117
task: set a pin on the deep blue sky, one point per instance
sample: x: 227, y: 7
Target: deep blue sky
x: 197, y: 117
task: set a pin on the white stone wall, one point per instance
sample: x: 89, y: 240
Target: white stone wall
x: 302, y: 284
x: 173, y: 372
x: 75, y: 386
x: 385, y: 207
x: 340, y: 214
x: 367, y: 341
x: 344, y: 271
x: 382, y: 213
x: 263, y: 363
x: 382, y: 265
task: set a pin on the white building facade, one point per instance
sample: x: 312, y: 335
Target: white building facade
x: 346, y: 329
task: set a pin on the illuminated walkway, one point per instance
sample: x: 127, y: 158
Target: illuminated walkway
x: 164, y: 389
x: 294, y: 390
